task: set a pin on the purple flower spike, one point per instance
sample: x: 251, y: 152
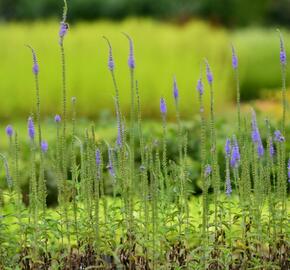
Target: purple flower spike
x: 57, y: 118
x: 235, y: 158
x: 199, y: 87
x: 260, y: 149
x: 44, y: 146
x: 228, y: 147
x: 31, y: 130
x: 119, y: 137
x: 207, y: 170
x: 63, y: 29
x: 163, y: 108
x: 234, y: 58
x: 208, y: 73
x: 111, y: 64
x: 9, y: 131
x: 271, y: 148
x: 175, y: 90
x: 278, y: 137
x: 35, y: 67
x: 228, y: 186
x: 282, y: 50
x: 131, y: 59
x: 288, y: 170
x: 98, y: 157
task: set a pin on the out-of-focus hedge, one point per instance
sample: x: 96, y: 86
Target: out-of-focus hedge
x: 227, y: 12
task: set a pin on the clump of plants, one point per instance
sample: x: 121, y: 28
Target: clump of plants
x: 117, y: 210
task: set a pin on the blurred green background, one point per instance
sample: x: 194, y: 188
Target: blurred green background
x: 171, y: 38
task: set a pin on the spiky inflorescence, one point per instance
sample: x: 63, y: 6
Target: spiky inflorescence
x: 163, y: 108
x: 175, y: 90
x: 209, y: 75
x: 228, y: 148
x: 111, y: 64
x: 256, y: 138
x: 228, y: 186
x: 207, y: 170
x: 235, y: 157
x: 199, y: 87
x: 31, y: 129
x: 44, y: 146
x: 9, y: 131
x: 271, y: 148
x: 278, y: 137
x: 288, y: 167
x: 131, y: 58
x: 283, y: 59
x: 57, y: 118
x: 234, y: 58
x: 98, y: 157
x: 35, y: 67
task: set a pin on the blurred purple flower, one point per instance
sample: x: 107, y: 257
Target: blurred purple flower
x: 228, y: 147
x: 235, y: 158
x: 199, y: 87
x: 131, y: 59
x: 271, y: 148
x: 63, y: 29
x: 111, y: 64
x: 207, y: 170
x: 98, y: 157
x: 228, y: 186
x: 278, y: 137
x: 256, y: 138
x: 234, y: 58
x: 35, y: 67
x: 288, y: 167
x: 175, y: 89
x: 163, y: 108
x: 31, y: 130
x: 9, y: 130
x: 44, y: 146
x: 208, y: 73
x: 282, y: 50
x: 57, y: 118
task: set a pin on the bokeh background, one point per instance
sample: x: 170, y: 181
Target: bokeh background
x: 172, y: 37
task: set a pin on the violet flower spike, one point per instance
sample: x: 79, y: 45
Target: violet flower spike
x: 207, y: 170
x: 57, y: 118
x: 228, y: 186
x: 283, y: 58
x: 163, y: 108
x: 9, y: 131
x: 209, y: 75
x: 98, y: 157
x: 288, y: 167
x: 278, y: 137
x: 111, y: 64
x: 35, y: 67
x: 131, y: 59
x: 228, y: 147
x: 271, y: 148
x: 199, y: 87
x: 234, y: 58
x: 175, y: 90
x: 235, y: 158
x: 44, y: 146
x: 31, y: 130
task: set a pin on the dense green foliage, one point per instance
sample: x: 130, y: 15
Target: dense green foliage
x: 223, y: 11
x: 166, y: 50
